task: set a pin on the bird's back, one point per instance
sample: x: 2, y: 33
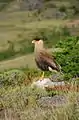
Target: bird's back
x: 45, y: 60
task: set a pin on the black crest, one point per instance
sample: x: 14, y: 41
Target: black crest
x: 37, y: 38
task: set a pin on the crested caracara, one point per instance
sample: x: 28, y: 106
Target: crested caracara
x: 44, y: 60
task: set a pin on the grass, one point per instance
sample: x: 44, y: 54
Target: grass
x: 20, y: 103
x: 11, y: 33
x: 23, y: 61
x: 17, y: 28
x: 20, y: 32
x: 16, y: 22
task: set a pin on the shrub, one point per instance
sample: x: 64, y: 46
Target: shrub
x: 69, y: 58
x: 12, y: 78
x: 62, y: 8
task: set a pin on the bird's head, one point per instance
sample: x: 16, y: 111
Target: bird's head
x: 38, y: 43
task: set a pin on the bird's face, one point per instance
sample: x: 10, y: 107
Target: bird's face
x: 38, y: 44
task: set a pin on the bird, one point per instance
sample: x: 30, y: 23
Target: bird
x: 44, y: 60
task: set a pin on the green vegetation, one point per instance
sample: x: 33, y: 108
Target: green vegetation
x: 21, y: 102
x: 69, y: 58
x: 12, y: 78
x: 21, y: 44
x: 20, y: 22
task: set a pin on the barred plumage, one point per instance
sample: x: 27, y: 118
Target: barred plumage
x: 43, y: 59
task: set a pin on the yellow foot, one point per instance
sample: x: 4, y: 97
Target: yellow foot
x: 42, y: 77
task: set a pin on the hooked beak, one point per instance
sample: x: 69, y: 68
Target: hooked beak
x: 33, y: 41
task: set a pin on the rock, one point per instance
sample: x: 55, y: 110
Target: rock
x: 46, y: 82
x: 56, y: 101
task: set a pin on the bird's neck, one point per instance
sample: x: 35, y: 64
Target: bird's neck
x: 38, y: 48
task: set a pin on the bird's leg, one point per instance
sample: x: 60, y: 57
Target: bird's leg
x: 42, y: 76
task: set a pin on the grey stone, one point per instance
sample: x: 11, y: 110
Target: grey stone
x: 46, y: 82
x: 56, y: 101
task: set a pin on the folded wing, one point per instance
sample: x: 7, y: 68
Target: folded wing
x: 45, y: 60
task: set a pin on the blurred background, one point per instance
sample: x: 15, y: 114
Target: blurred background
x: 22, y: 20
x: 57, y: 23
